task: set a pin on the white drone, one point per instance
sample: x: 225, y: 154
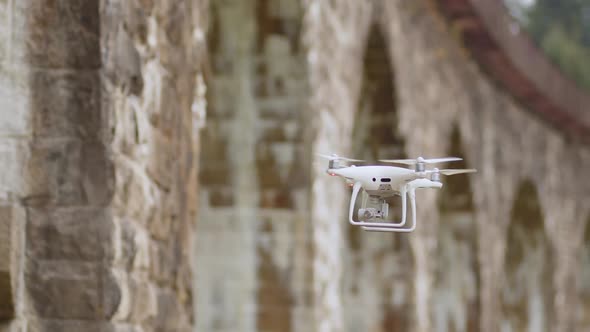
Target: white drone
x: 381, y: 182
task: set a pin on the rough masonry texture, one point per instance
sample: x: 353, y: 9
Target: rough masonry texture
x: 158, y: 170
x: 100, y: 105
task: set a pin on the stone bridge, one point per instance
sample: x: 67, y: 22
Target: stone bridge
x: 506, y: 248
x: 116, y: 214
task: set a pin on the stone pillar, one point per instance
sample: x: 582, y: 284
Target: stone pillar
x: 97, y: 176
x: 333, y: 34
x: 69, y: 174
x: 15, y: 133
x: 252, y: 232
x: 153, y: 95
x: 567, y: 236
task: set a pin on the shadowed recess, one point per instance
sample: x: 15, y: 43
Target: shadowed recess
x: 456, y: 295
x: 527, y: 294
x: 583, y: 312
x: 376, y: 136
x: 273, y: 297
x: 6, y: 304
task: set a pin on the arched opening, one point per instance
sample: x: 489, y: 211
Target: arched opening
x: 583, y: 312
x: 456, y: 279
x: 527, y: 293
x: 385, y: 258
x: 6, y: 292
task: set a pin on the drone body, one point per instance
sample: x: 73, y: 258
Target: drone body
x: 380, y: 182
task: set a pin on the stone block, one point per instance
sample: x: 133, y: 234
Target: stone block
x: 171, y: 314
x: 13, y: 153
x: 162, y: 160
x: 66, y: 104
x: 123, y: 63
x: 76, y: 233
x: 131, y: 247
x: 14, y: 101
x: 169, y: 111
x: 69, y: 172
x: 143, y: 300
x: 136, y: 196
x: 65, y: 290
x: 60, y: 325
x: 164, y: 262
x: 61, y: 33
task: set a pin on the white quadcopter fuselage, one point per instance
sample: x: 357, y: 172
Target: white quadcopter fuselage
x: 381, y: 182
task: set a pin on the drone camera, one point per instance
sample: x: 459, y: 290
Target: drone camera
x: 367, y: 214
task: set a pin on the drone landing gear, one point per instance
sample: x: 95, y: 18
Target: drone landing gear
x: 412, y: 194
x: 371, y: 213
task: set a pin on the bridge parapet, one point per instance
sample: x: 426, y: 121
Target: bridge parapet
x: 509, y: 56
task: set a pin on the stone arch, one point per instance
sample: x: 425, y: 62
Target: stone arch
x: 527, y: 292
x: 388, y: 256
x: 456, y: 275
x: 583, y: 312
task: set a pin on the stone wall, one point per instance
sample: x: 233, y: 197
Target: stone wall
x: 14, y: 135
x: 153, y: 56
x: 100, y: 105
x: 418, y: 93
x: 252, y: 234
x: 101, y: 102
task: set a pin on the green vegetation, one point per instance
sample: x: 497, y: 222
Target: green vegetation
x: 562, y: 30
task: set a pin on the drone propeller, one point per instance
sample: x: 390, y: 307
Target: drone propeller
x: 337, y: 157
x: 453, y: 171
x: 435, y: 173
x: 420, y: 160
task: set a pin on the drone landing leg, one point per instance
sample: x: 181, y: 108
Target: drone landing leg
x: 355, y: 191
x: 412, y: 193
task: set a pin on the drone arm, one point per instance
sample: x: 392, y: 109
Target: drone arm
x: 412, y: 193
x: 355, y: 191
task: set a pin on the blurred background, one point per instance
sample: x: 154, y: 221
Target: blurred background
x: 159, y: 168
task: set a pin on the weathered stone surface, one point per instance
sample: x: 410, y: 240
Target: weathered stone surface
x: 13, y: 154
x: 80, y: 234
x: 58, y: 325
x: 62, y: 33
x: 124, y: 63
x: 69, y: 172
x: 67, y: 104
x: 66, y: 290
x: 14, y: 100
x: 99, y: 113
x: 152, y: 77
